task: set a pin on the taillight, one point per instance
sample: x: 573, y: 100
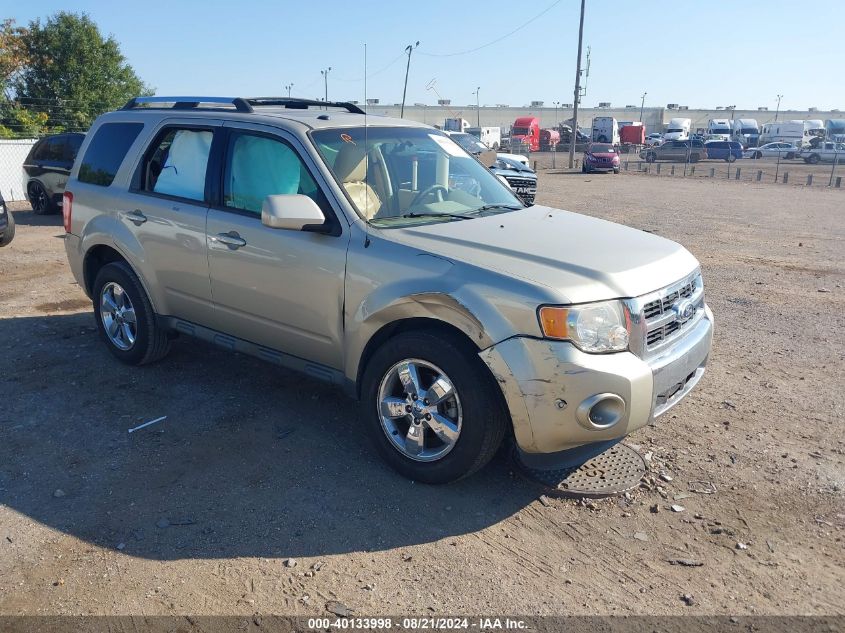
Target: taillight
x: 67, y: 209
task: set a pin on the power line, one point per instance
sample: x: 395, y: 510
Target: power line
x: 498, y: 39
x: 376, y: 72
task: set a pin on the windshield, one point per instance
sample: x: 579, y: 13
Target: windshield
x: 674, y: 129
x: 469, y: 142
x: 836, y: 127
x: 519, y: 131
x: 406, y: 176
x: 749, y: 130
x: 602, y: 148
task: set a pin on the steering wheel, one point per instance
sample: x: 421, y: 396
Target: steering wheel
x: 427, y: 192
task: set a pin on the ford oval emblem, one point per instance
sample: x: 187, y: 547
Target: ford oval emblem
x: 684, y: 310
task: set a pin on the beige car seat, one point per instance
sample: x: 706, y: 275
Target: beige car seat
x: 350, y: 166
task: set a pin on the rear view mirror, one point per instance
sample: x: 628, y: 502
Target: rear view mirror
x: 294, y: 212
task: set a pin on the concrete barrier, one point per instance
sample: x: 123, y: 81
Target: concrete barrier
x: 759, y: 175
x: 785, y: 177
x: 738, y: 172
x: 809, y: 179
x: 838, y: 182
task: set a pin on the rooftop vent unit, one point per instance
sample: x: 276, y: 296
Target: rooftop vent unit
x: 680, y: 107
x: 604, y: 104
x: 763, y: 109
x: 565, y: 105
x: 536, y: 104
x: 671, y: 106
x: 372, y: 101
x: 444, y: 102
x: 813, y: 109
x: 630, y: 107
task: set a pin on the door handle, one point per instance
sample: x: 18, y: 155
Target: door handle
x: 136, y: 217
x: 230, y: 239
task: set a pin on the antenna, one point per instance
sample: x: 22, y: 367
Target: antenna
x: 366, y: 159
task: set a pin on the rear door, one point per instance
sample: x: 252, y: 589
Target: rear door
x: 166, y: 210
x: 277, y: 288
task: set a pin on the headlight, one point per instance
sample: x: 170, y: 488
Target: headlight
x: 592, y: 327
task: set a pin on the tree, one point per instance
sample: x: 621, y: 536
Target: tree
x: 13, y: 55
x: 72, y: 73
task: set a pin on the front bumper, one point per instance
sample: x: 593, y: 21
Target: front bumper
x: 546, y: 383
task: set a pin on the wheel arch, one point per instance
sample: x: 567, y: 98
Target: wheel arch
x: 98, y: 256
x: 410, y: 324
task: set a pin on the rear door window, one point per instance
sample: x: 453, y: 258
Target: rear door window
x: 176, y: 163
x: 106, y: 152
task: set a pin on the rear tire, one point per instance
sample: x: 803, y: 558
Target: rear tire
x: 813, y: 159
x: 125, y: 317
x: 39, y: 199
x: 758, y: 155
x: 650, y: 158
x: 476, y: 410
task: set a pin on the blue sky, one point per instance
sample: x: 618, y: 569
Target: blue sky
x: 701, y: 54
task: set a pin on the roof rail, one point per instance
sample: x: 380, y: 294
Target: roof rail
x: 185, y: 103
x: 240, y: 104
x: 302, y: 104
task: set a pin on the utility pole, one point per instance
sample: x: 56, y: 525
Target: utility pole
x: 288, y: 88
x: 574, y: 136
x: 477, y: 108
x: 777, y: 110
x: 325, y: 74
x: 408, y: 49
x: 642, y: 106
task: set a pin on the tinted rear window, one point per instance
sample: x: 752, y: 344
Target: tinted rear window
x: 106, y: 152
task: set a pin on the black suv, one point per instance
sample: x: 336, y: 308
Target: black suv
x: 46, y: 169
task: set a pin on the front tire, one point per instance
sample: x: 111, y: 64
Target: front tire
x: 431, y: 407
x: 813, y: 159
x: 125, y: 317
x: 758, y: 155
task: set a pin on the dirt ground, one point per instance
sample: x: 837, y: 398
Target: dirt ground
x: 259, y: 493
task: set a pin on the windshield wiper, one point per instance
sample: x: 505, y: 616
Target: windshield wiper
x: 492, y: 207
x: 456, y: 216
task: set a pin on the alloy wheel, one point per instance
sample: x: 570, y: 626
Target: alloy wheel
x: 420, y: 410
x: 118, y: 316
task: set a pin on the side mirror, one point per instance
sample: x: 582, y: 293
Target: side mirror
x: 294, y: 212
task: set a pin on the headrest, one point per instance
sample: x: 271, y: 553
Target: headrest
x: 351, y: 164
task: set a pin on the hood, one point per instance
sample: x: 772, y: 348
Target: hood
x: 578, y: 257
x: 604, y: 154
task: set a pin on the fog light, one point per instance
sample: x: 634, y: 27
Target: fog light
x: 600, y: 411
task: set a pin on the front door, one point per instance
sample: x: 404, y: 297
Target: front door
x: 277, y: 288
x: 166, y: 211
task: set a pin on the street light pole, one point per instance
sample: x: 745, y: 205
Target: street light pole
x: 325, y: 74
x: 288, y: 88
x: 777, y: 110
x: 408, y: 49
x: 642, y: 106
x: 477, y: 108
x: 574, y: 136
x: 556, y: 105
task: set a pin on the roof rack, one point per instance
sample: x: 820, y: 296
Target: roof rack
x: 240, y: 104
x: 303, y: 104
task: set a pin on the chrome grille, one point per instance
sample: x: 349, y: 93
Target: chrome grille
x: 664, y: 304
x: 522, y: 182
x: 657, y: 323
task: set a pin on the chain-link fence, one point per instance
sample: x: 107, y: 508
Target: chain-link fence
x: 828, y: 172
x: 12, y: 155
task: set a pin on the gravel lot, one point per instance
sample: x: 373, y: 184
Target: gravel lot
x: 258, y: 493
